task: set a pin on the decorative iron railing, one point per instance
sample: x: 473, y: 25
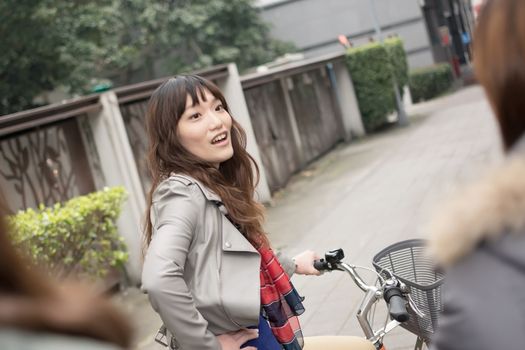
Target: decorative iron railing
x: 44, y: 158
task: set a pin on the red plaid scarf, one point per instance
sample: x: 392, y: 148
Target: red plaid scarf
x: 280, y: 302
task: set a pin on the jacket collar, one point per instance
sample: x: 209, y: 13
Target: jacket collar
x: 482, y: 211
x: 209, y: 194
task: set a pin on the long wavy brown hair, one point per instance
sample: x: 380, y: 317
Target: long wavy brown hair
x: 235, y: 179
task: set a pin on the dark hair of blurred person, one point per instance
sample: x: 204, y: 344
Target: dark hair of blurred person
x: 479, y: 238
x: 32, y: 305
x: 499, y: 59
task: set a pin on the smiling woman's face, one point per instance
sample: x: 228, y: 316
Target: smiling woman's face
x: 204, y: 129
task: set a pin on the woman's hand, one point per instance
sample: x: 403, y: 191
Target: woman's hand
x: 234, y: 340
x: 304, y: 263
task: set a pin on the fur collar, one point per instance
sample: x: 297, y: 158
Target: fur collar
x: 484, y: 210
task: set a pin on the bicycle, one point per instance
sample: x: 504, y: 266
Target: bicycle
x: 406, y: 280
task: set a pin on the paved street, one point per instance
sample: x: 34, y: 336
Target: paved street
x: 365, y: 195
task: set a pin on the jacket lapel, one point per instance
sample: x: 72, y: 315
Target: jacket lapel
x: 232, y: 239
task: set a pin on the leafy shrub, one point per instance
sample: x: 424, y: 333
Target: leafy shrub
x: 77, y: 237
x: 371, y: 72
x: 429, y: 82
x: 398, y: 60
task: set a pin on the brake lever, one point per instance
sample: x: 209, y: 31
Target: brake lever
x: 414, y: 307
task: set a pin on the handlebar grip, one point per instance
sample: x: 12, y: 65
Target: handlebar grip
x: 320, y: 265
x: 398, y: 309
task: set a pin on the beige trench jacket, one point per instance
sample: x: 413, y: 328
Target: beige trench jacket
x: 200, y: 273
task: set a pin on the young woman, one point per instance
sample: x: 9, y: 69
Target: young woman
x: 209, y: 270
x: 480, y: 237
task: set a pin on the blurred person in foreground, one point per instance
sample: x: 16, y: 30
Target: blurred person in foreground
x: 36, y: 313
x: 480, y: 237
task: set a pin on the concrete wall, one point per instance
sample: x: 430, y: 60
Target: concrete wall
x: 313, y: 25
x: 232, y: 90
x: 110, y: 154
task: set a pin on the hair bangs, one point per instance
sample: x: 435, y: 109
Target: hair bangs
x: 195, y: 89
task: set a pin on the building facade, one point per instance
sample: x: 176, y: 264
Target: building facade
x: 452, y: 18
x: 314, y: 25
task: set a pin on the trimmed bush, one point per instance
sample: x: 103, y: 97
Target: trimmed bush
x: 371, y: 72
x: 78, y: 237
x: 398, y: 60
x: 429, y: 82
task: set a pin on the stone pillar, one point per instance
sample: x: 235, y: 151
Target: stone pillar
x: 232, y: 89
x: 350, y: 113
x: 119, y: 168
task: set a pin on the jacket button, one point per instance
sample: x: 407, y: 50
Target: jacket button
x: 228, y: 245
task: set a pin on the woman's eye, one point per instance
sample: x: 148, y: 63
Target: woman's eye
x: 219, y: 108
x: 194, y: 116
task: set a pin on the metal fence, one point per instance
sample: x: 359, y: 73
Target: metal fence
x: 47, y: 154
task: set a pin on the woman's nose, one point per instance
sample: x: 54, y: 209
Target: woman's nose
x: 215, y: 121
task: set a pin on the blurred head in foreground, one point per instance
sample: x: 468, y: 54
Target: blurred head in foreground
x: 499, y: 59
x: 33, y: 303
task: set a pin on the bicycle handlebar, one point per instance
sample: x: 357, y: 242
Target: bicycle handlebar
x: 332, y: 261
x: 398, y: 305
x: 321, y: 265
x: 398, y: 309
x: 391, y: 290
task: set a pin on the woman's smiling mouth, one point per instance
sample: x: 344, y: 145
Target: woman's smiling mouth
x: 220, y: 139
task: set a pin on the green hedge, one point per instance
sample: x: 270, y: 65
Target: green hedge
x: 78, y: 237
x: 429, y: 82
x: 373, y: 68
x: 398, y: 60
x: 371, y: 72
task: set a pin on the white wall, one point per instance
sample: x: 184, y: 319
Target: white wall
x: 313, y: 25
x: 119, y: 168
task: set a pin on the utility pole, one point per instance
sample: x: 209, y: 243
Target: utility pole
x: 402, y: 118
x: 377, y: 27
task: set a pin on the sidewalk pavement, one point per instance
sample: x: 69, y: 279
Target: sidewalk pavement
x: 363, y: 196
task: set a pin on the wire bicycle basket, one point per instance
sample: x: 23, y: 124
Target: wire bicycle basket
x: 408, y: 262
